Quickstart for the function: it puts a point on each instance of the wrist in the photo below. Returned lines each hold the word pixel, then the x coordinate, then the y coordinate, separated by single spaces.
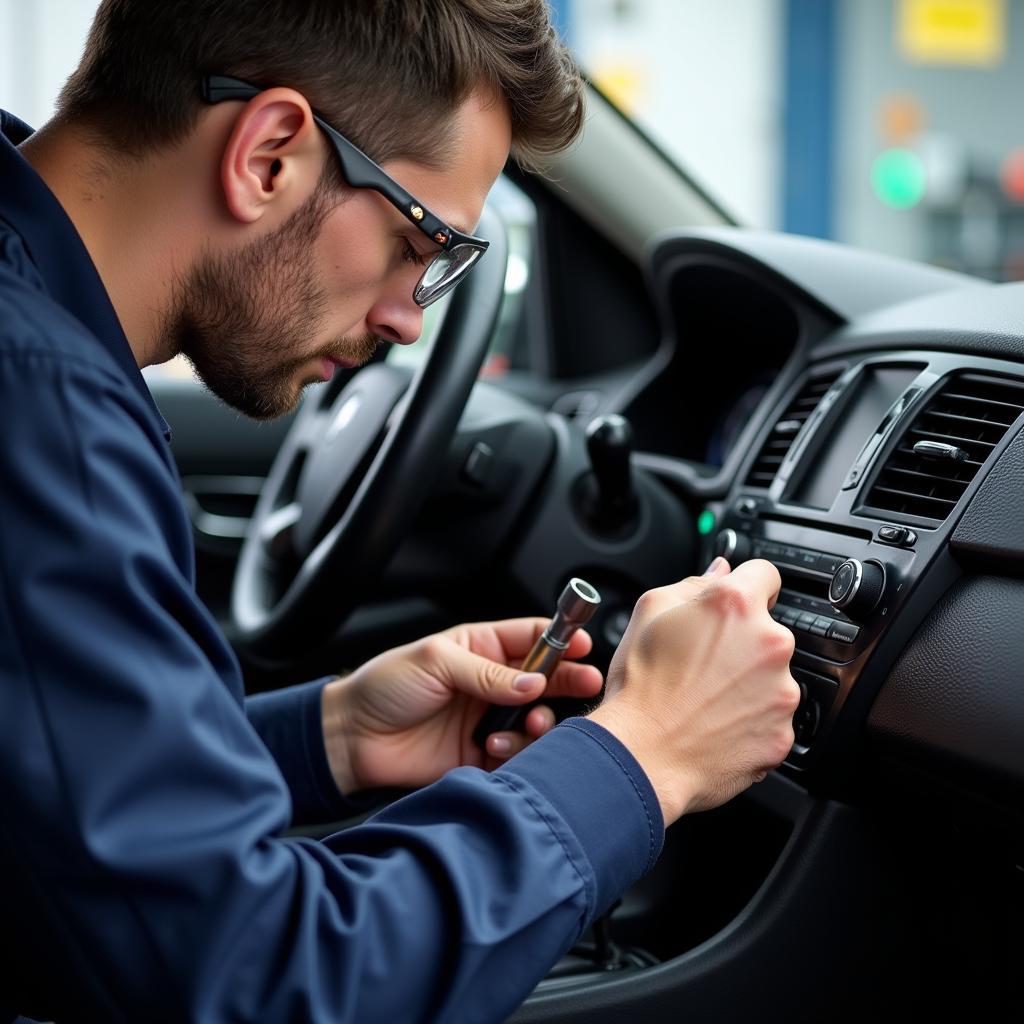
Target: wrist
pixel 338 734
pixel 670 785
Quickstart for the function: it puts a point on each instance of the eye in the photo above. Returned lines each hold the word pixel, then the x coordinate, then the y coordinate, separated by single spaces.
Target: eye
pixel 410 255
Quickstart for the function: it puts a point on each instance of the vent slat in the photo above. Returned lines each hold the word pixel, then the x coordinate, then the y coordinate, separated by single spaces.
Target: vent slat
pixel 972 412
pixel 915 496
pixel 1011 407
pixel 775 448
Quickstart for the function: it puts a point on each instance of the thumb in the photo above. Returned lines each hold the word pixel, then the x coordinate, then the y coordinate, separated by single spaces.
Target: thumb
pixel 719 567
pixel 491 681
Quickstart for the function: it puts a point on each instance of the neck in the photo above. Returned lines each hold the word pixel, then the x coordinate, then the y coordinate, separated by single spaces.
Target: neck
pixel 125 215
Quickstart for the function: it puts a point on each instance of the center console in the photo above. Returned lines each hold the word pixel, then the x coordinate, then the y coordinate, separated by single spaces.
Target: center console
pixel 852 490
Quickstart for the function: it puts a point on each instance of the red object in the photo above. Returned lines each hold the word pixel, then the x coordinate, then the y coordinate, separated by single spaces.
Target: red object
pixel 1012 175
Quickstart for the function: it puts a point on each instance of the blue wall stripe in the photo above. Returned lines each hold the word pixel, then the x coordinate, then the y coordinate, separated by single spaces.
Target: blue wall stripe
pixel 809 93
pixel 561 18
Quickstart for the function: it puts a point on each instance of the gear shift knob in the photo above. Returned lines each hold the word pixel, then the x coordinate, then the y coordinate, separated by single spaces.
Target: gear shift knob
pixel 610 447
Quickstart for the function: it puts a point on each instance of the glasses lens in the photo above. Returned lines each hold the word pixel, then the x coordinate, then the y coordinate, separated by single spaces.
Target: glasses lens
pixel 444 272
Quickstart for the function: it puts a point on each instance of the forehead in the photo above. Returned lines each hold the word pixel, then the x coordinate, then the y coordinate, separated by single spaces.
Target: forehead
pixel 480 139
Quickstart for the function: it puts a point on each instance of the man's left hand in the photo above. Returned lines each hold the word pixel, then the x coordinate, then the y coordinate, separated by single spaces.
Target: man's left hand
pixel 407 717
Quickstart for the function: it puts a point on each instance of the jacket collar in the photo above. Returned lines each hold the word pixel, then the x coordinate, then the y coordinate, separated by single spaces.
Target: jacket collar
pixel 60 255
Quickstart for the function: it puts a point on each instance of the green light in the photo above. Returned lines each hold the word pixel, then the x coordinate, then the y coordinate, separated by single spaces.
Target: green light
pixel 706 522
pixel 898 178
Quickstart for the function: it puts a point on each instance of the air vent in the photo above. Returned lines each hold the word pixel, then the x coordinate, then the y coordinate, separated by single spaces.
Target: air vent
pixel 783 434
pixel 954 434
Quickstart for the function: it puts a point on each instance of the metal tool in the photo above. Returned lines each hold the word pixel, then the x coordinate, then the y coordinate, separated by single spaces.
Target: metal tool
pixel 576 605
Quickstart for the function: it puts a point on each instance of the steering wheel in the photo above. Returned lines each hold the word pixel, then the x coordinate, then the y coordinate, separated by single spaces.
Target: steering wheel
pixel 354 471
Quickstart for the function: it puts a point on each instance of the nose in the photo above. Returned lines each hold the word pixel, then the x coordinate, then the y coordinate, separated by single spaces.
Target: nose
pixel 397 319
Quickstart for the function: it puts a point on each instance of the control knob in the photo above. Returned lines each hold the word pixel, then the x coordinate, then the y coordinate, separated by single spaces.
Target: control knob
pixel 732 546
pixel 856 587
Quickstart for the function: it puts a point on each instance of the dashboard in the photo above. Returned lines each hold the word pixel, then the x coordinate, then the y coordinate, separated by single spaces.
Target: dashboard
pixel 881 473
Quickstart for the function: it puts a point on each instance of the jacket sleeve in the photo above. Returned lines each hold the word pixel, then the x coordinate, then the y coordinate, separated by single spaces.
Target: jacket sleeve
pixel 290 723
pixel 141 814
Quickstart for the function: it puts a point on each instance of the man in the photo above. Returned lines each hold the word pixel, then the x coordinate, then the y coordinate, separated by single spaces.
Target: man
pixel 146 874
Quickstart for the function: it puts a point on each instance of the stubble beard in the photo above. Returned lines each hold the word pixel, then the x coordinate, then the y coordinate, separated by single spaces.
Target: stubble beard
pixel 244 320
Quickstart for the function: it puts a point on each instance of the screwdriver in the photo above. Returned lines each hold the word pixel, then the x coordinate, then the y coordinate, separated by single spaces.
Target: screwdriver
pixel 576 605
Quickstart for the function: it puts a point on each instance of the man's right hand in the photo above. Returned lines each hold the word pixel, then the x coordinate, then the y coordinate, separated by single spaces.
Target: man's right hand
pixel 700 690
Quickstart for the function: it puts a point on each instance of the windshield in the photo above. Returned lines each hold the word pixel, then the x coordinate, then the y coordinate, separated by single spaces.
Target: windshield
pixel 893 125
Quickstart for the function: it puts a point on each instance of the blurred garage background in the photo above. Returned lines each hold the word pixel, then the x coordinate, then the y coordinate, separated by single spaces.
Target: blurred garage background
pixel 890 124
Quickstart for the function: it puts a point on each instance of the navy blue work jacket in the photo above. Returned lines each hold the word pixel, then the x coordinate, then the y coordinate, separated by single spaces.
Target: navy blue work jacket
pixel 143 801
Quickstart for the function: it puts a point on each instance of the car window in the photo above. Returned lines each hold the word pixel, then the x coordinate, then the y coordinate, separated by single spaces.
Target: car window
pixel 893 125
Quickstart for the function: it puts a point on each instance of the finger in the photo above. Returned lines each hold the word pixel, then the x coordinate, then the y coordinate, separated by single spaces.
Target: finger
pixel 503 745
pixel 759 577
pixel 488 680
pixel 571 679
pixel 510 640
pixel 539 721
pixel 662 599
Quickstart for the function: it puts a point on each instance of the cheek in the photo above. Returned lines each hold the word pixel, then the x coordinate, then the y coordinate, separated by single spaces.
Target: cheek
pixel 352 251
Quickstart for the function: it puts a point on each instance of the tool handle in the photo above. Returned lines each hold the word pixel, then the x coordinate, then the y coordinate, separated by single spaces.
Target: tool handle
pixel 543 658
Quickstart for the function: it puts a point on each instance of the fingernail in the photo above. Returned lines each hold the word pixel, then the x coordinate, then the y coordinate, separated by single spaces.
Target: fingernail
pixel 714 566
pixel 500 744
pixel 527 681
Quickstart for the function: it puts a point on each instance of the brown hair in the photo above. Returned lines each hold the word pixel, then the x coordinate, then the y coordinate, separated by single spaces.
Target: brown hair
pixel 388 73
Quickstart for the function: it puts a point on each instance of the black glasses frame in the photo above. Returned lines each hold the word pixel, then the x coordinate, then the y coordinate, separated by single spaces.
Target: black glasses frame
pixel 361 171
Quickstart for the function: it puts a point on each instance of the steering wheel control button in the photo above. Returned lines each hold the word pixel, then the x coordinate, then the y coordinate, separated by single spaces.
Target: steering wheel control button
pixel 732 546
pixel 843 632
pixel 477 467
pixel 898 535
pixel 856 587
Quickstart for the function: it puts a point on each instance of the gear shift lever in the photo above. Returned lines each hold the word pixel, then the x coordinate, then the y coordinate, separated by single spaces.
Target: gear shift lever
pixel 610 447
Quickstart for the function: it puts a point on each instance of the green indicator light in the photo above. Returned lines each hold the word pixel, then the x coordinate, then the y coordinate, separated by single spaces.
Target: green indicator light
pixel 706 521
pixel 898 178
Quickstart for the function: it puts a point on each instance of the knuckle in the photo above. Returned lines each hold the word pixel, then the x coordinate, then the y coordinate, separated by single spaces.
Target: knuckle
pixel 729 597
pixel 646 604
pixel 433 649
pixel 779 643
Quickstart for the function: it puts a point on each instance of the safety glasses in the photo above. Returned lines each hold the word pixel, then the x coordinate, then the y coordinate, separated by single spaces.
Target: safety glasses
pixel 458 252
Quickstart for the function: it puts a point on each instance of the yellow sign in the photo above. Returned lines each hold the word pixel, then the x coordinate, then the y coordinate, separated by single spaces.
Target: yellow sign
pixel 623 82
pixel 968 32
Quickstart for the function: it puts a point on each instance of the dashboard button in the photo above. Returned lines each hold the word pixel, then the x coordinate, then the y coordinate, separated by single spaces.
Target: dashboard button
pixel 806 621
pixel 806 721
pixel 829 563
pixel 807 559
pixel 892 534
pixel 844 632
pixel 746 507
pixel 732 546
pixel 821 626
pixel 788 616
pixel 899 535
pixel 842 582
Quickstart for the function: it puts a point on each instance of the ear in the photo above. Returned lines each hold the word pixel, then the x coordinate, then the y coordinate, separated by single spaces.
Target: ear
pixel 274 154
